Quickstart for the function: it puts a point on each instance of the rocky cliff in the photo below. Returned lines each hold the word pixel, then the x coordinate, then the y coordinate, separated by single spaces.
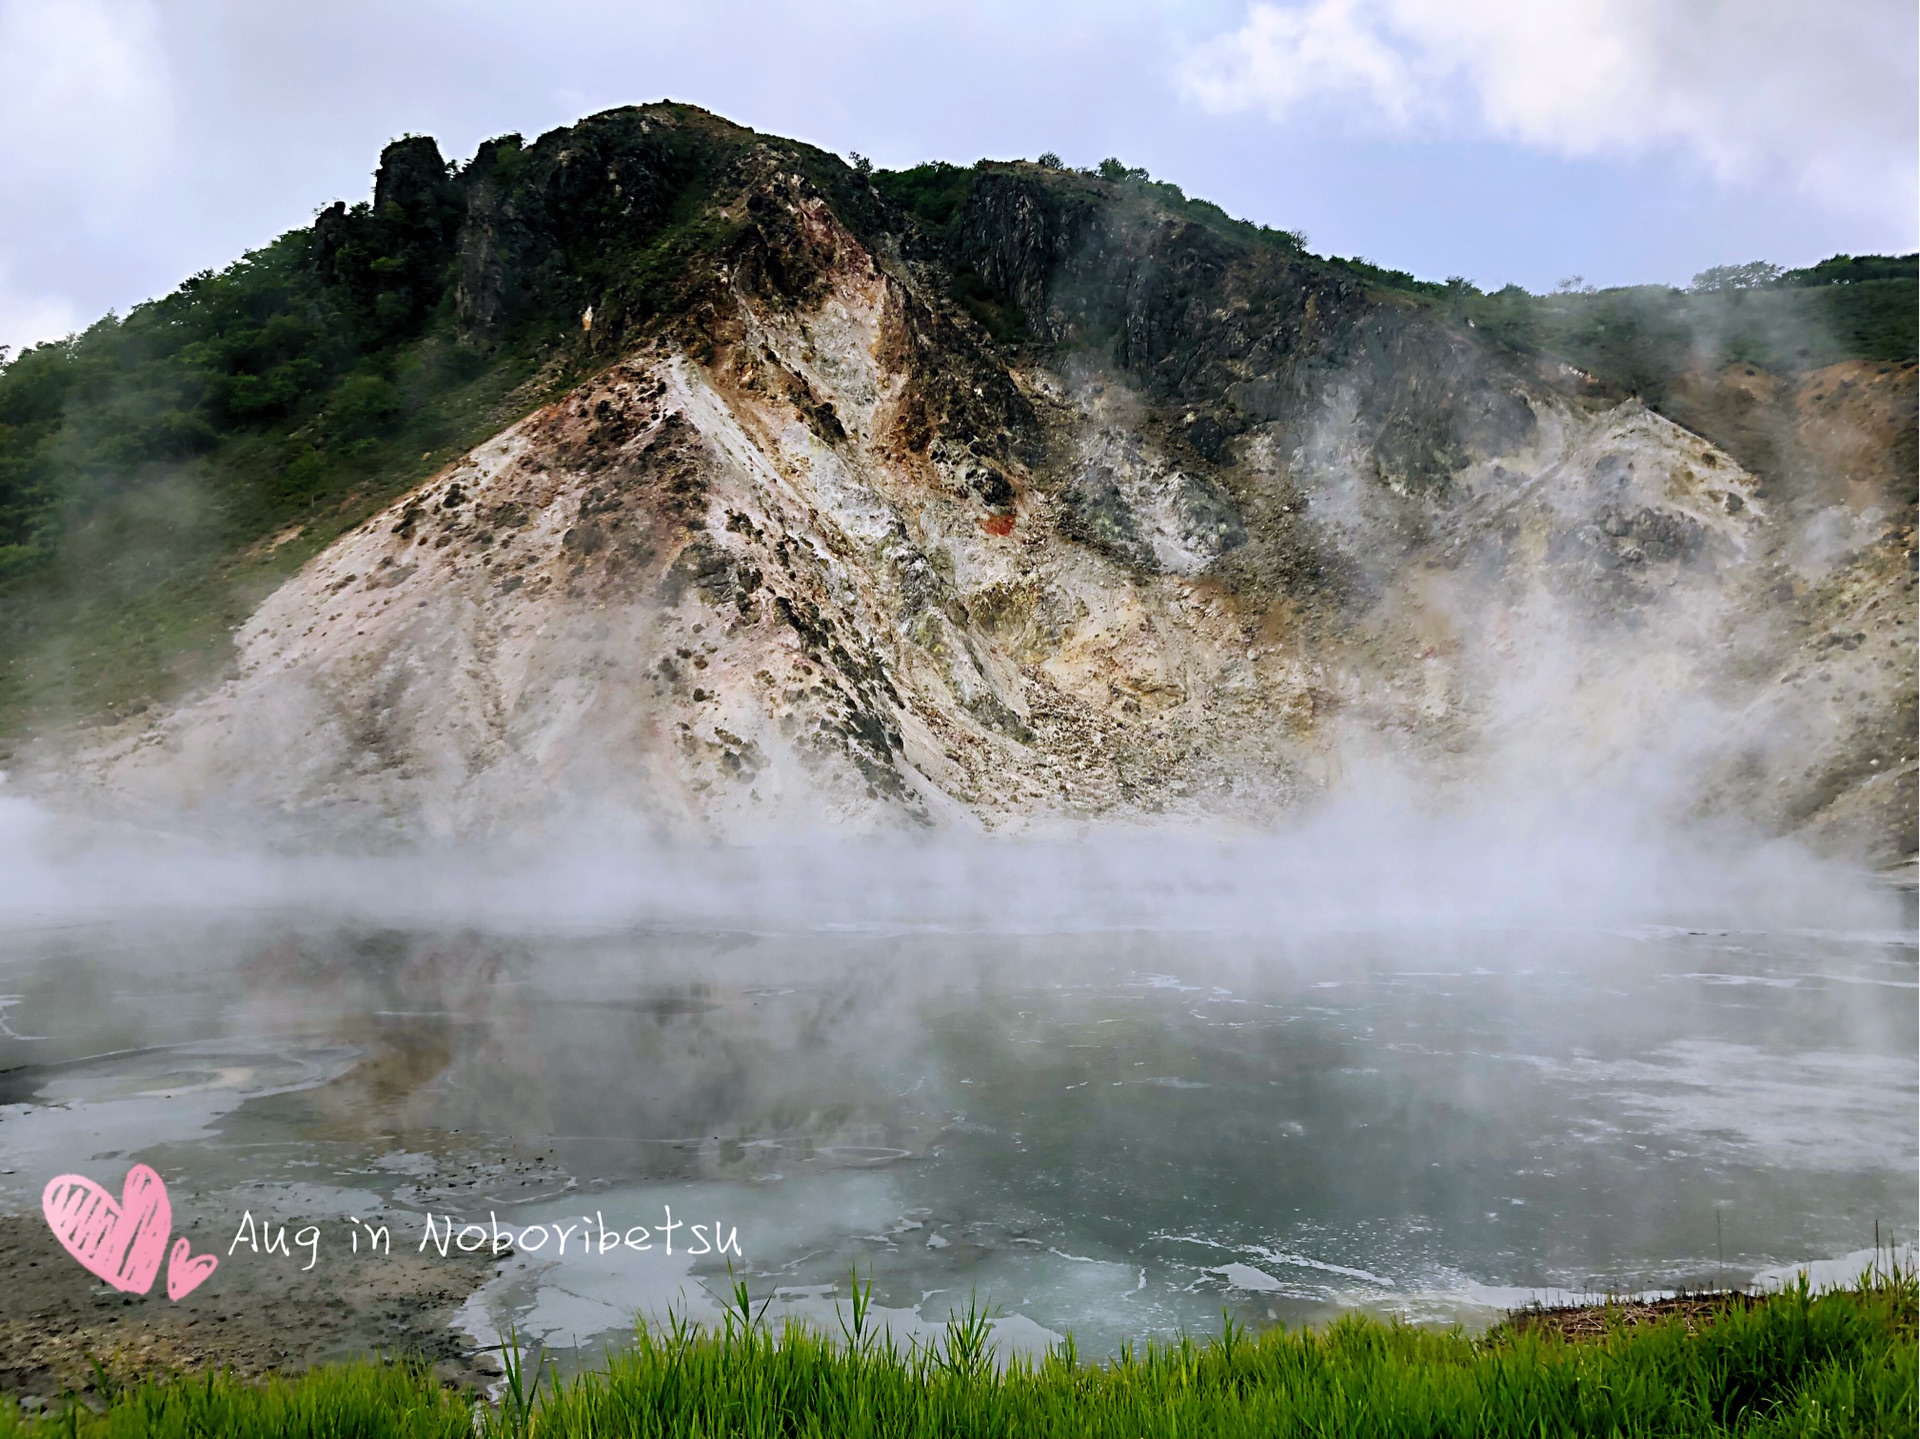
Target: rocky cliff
pixel 1080 508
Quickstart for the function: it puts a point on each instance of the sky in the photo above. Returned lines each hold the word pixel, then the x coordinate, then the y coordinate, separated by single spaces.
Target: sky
pixel 1526 141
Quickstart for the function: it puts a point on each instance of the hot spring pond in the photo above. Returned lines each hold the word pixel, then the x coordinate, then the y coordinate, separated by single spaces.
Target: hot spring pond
pixel 1121 1134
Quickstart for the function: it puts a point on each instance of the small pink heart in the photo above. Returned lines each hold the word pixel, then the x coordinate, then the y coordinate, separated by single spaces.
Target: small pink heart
pixel 185 1275
pixel 121 1243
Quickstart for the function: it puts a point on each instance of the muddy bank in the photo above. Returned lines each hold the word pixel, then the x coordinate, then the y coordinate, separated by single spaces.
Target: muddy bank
pixel 250 1317
pixel 1596 1321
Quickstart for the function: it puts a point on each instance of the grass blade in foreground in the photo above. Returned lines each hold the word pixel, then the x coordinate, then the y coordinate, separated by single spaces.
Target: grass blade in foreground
pixel 1796 1364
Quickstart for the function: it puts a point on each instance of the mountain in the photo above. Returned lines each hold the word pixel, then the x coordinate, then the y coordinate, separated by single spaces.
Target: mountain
pixel 758 493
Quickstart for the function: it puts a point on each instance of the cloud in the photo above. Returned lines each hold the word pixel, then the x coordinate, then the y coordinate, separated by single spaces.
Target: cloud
pixel 1284 58
pixel 27 319
pixel 1757 91
pixel 83 84
pixel 86 124
pixel 147 139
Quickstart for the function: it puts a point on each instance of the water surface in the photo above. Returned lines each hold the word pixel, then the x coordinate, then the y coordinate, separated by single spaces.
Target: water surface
pixel 1120 1134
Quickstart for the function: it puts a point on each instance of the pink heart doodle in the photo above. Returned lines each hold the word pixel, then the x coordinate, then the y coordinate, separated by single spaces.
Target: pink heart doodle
pixel 185 1275
pixel 122 1243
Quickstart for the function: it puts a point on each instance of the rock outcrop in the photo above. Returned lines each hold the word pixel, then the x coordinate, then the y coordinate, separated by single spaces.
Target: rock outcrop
pixel 813 549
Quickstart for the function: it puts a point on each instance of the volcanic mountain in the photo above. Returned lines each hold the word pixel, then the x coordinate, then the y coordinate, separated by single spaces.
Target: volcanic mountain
pixel 1021 496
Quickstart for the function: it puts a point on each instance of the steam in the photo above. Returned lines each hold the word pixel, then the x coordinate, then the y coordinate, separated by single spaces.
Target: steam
pixel 1382 858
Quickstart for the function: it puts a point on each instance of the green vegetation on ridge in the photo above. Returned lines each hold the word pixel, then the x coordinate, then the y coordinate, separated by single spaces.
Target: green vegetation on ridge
pixel 149 463
pixel 1643 337
pixel 1841 1364
pixel 141 458
pixel 1638 337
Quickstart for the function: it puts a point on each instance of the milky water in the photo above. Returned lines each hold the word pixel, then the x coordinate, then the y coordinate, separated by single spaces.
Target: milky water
pixel 1121 1134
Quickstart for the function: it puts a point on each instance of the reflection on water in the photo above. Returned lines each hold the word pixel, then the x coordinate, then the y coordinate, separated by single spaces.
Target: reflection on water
pixel 1121 1134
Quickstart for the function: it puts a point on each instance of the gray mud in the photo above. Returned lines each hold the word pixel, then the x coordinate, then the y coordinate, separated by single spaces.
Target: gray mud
pixel 58 1322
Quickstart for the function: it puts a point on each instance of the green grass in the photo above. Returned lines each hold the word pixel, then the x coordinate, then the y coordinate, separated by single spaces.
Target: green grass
pixel 1798 1364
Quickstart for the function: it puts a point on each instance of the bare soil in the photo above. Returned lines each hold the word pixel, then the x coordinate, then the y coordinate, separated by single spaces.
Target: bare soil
pixel 252 1316
pixel 1596 1321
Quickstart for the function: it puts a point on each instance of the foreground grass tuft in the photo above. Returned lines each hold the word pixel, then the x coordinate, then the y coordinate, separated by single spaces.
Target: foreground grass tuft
pixel 1797 1364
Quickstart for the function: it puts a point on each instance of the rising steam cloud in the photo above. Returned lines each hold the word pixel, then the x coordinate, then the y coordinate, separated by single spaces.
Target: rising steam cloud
pixel 1378 859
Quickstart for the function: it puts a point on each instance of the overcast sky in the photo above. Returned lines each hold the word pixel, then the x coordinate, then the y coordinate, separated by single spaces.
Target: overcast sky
pixel 1503 140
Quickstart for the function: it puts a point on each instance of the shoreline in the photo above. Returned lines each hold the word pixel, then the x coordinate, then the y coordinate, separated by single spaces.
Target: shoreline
pixel 1835 1363
pixel 70 1331
pixel 246 1319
